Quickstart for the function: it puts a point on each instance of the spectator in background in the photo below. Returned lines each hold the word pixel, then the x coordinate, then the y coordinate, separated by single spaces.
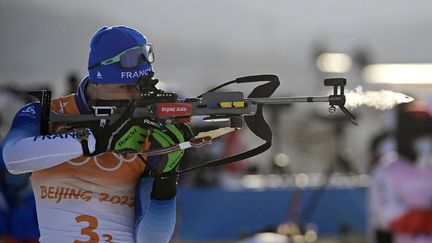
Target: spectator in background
pixel 4 209
pixel 18 221
pixel 382 151
pixel 401 194
pixel 382 145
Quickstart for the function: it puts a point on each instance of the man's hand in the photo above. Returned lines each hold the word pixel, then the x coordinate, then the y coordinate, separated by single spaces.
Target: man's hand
pixel 126 136
pixel 164 168
pixel 131 141
pixel 164 137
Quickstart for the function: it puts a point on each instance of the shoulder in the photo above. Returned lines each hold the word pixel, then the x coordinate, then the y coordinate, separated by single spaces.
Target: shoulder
pixel 30 110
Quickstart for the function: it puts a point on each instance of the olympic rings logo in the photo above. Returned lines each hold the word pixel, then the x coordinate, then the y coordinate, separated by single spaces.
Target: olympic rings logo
pixel 120 160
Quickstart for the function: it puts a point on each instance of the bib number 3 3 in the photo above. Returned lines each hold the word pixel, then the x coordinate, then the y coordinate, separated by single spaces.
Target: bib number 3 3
pixel 92 224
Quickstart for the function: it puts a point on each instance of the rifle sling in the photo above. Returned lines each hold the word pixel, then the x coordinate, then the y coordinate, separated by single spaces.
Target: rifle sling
pixel 257 124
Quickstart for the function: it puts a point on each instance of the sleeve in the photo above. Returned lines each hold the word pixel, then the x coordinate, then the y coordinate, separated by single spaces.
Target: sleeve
pixel 25 149
pixel 155 219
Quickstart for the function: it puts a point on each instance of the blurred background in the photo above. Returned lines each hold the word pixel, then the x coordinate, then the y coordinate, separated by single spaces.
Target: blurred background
pixel 314 179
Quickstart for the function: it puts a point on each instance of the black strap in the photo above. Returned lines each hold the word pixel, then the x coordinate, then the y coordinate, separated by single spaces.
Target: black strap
pixel 44 97
pixel 85 148
pixel 256 123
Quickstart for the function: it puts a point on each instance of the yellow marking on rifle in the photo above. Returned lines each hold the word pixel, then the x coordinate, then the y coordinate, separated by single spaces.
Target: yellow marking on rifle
pixel 226 104
pixel 239 104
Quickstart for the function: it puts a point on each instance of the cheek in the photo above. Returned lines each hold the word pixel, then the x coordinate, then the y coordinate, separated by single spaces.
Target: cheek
pixel 116 95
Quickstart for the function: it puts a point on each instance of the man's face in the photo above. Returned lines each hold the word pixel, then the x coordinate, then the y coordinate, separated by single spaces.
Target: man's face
pixel 117 92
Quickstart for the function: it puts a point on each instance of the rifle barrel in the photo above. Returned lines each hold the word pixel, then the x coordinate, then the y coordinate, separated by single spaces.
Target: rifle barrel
pixel 287 100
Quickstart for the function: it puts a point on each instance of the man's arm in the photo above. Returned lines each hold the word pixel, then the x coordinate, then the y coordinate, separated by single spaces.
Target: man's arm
pixel 26 150
pixel 156 197
pixel 155 218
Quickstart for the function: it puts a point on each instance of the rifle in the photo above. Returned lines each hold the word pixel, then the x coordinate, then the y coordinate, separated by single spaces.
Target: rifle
pixel 157 105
